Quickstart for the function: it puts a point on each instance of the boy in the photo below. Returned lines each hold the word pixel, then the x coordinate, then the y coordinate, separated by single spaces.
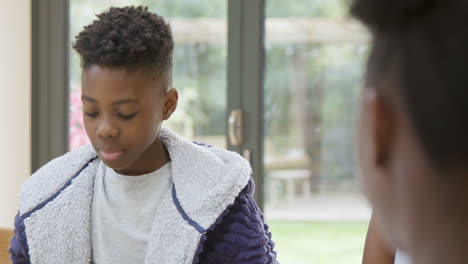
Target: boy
pixel 140 194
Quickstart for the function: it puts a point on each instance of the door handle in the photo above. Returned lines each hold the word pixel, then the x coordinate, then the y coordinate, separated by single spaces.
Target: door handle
pixel 235 127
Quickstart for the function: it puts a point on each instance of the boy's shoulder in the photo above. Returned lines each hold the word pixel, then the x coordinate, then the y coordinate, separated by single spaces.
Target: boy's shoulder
pixel 48 179
pixel 181 148
pixel 226 156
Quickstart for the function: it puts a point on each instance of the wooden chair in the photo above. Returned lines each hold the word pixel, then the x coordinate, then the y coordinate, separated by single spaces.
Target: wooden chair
pixel 5 236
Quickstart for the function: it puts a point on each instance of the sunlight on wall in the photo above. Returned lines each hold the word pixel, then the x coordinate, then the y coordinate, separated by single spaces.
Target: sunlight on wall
pixel 15 104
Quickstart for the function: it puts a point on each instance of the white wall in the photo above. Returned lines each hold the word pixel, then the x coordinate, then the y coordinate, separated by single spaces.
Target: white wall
pixel 15 103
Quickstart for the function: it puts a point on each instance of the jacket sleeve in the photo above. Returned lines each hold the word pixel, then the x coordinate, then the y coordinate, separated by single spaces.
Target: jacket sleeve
pixel 240 235
pixel 19 251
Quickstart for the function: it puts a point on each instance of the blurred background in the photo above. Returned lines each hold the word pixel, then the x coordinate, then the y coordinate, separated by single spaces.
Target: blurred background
pixel 293 68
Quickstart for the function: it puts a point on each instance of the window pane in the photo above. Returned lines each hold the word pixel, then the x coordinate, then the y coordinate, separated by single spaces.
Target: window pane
pixel 315 56
pixel 199 73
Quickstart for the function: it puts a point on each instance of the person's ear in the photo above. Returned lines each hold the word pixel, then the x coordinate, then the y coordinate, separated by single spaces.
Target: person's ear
pixel 170 103
pixel 382 126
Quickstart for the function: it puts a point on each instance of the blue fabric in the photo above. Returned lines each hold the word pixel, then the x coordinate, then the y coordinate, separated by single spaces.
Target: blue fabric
pixel 19 251
pixel 239 236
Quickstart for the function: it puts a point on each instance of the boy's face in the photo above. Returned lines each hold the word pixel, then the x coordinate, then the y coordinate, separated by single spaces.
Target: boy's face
pixel 122 112
pixel 395 170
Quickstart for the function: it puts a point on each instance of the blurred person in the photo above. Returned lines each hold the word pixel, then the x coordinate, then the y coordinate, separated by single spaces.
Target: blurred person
pixel 376 250
pixel 413 148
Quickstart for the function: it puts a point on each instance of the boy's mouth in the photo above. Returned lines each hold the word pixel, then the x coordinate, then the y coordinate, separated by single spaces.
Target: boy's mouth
pixel 111 155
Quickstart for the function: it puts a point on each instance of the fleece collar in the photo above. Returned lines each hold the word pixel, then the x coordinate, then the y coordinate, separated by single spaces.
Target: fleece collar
pixel 56 202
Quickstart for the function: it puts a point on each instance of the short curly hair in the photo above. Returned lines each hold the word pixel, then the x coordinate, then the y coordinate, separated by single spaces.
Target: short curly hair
pixel 130 37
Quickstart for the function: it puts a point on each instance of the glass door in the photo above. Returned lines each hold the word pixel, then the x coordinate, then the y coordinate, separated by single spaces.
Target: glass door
pixel 315 56
pixel 199 68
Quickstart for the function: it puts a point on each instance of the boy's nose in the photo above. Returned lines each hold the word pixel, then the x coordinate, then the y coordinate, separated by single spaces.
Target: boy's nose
pixel 107 130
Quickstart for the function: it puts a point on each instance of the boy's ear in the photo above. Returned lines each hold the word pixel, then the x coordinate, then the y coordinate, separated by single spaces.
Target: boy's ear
pixel 382 127
pixel 170 103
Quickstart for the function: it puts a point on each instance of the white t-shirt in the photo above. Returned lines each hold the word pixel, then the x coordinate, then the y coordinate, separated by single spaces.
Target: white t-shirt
pixel 402 258
pixel 123 211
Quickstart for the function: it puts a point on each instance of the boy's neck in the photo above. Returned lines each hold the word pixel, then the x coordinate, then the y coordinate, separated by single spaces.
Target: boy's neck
pixel 444 236
pixel 155 157
pixel 443 249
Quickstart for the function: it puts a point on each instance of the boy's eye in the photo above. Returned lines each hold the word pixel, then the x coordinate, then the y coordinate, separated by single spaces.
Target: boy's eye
pixel 127 117
pixel 94 114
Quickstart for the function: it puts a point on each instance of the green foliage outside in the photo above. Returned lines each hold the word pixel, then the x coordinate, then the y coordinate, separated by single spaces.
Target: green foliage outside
pixel 319 242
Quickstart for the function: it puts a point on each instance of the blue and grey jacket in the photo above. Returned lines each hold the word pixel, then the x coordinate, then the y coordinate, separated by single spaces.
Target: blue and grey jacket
pixel 209 215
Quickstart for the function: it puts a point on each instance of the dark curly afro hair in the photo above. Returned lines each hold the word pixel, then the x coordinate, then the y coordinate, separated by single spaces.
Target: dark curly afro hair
pixel 130 37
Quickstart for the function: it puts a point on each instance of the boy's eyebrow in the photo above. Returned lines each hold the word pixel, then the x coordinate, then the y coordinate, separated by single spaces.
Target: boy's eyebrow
pixel 126 101
pixel 84 97
pixel 123 101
